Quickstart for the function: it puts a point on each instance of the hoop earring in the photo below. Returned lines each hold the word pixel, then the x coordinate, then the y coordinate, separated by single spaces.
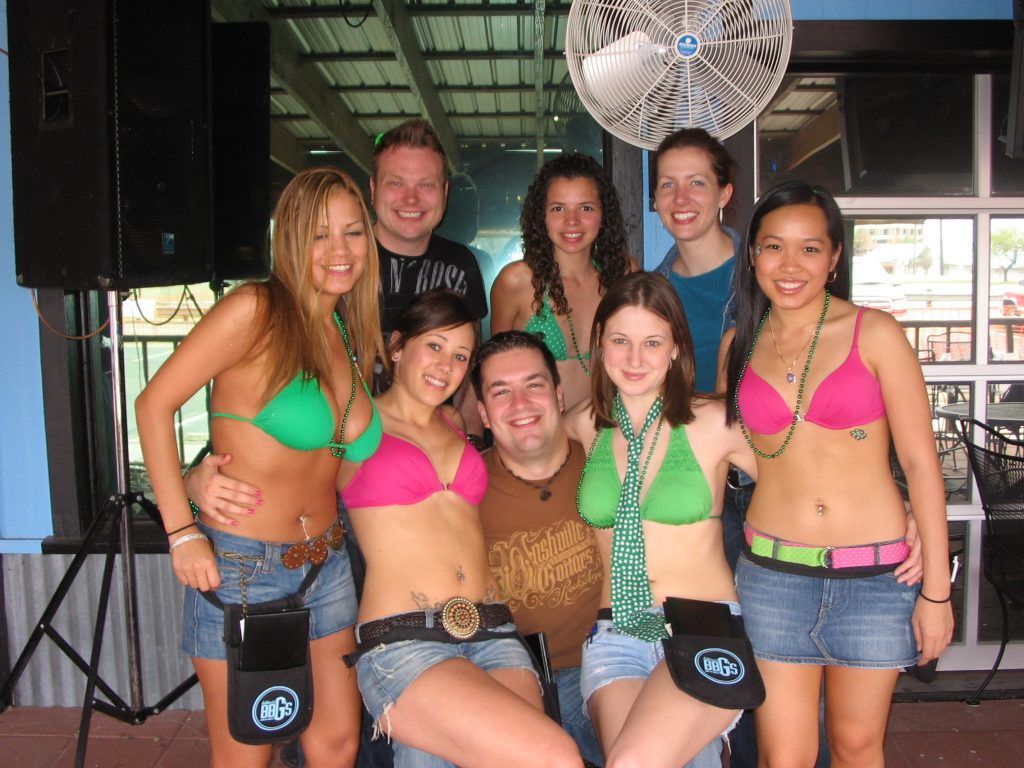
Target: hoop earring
pixel 833 276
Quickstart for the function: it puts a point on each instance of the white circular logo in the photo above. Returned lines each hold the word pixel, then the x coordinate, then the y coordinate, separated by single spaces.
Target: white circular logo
pixel 720 666
pixel 688 45
pixel 275 708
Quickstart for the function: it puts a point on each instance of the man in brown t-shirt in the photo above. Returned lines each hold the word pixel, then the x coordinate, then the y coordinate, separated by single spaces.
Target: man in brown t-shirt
pixel 543 556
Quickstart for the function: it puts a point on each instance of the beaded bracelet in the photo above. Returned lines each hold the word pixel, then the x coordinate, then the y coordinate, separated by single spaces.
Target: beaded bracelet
pixel 923 595
pixel 179 530
pixel 188 537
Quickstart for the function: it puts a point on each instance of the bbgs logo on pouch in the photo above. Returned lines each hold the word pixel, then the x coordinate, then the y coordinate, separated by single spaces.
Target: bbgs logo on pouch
pixel 275 708
pixel 720 666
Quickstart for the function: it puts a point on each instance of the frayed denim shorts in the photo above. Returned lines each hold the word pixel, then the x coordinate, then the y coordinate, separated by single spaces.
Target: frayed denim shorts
pixel 256 566
pixel 609 656
pixel 385 670
pixel 846 622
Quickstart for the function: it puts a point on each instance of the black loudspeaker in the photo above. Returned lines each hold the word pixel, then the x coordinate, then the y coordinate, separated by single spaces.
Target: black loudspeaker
pixel 110 142
pixel 241 150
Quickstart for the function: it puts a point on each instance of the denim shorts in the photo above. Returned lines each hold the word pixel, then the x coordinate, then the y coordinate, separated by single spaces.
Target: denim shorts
pixel 861 622
pixel 385 670
pixel 331 598
pixel 609 657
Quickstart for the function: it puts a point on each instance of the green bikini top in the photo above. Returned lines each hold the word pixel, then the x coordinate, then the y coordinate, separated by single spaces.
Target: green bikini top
pixel 544 325
pixel 678 495
pixel 300 418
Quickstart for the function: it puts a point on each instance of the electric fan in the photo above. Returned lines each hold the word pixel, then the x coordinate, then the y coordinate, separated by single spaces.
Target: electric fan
pixel 645 68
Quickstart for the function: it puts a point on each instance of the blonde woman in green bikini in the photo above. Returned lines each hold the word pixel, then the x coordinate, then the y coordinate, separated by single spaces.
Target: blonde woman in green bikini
pixel 574 245
pixel 293 413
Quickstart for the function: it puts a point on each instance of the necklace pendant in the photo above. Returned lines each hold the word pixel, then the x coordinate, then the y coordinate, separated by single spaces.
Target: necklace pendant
pixel 790 377
pixel 545 494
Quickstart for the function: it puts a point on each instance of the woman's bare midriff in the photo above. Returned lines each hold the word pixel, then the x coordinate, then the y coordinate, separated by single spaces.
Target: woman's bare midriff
pixel 420 555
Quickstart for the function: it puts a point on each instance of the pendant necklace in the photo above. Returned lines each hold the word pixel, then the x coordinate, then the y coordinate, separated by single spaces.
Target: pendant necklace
pixel 790 376
pixel 545 487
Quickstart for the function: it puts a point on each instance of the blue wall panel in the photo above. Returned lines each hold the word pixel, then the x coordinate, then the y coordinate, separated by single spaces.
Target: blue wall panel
pixel 24 483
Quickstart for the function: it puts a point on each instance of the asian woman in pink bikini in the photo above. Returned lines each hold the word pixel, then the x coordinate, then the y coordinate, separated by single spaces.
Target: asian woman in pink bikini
pixel 440 666
pixel 818 386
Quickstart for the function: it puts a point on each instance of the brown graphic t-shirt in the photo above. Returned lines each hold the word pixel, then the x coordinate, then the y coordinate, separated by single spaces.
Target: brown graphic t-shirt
pixel 543 556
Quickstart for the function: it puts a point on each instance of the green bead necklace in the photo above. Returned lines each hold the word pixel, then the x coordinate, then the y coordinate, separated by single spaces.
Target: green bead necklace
pixel 338 451
pixel 575 345
pixel 797 415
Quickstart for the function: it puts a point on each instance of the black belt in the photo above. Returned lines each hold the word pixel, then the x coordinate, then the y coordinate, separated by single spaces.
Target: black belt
pixel 459 619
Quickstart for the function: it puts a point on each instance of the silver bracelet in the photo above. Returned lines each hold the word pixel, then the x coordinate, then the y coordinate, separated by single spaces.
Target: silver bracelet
pixel 188 537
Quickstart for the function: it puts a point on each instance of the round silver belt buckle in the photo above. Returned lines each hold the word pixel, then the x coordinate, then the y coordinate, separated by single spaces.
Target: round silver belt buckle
pixel 460 618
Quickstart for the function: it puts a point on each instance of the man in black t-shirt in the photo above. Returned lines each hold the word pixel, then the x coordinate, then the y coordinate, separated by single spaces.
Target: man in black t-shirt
pixel 408 189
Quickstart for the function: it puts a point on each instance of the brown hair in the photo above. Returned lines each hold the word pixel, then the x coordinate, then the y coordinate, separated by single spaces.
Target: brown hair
pixel 609 250
pixel 507 341
pixel 434 310
pixel 411 133
pixel 652 292
pixel 289 325
pixel 721 161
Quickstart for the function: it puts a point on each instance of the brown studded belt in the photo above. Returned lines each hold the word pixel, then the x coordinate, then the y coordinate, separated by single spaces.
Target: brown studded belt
pixel 314 550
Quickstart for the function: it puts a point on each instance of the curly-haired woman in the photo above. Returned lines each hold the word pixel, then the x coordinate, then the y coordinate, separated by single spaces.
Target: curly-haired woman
pixel 574 249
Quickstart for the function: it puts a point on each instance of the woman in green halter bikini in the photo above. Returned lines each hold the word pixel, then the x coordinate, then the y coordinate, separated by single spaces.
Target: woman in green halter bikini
pixel 574 249
pixel 652 486
pixel 289 404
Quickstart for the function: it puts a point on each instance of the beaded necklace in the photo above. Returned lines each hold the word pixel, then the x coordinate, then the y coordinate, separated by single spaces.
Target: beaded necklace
pixel 797 415
pixel 339 451
pixel 575 344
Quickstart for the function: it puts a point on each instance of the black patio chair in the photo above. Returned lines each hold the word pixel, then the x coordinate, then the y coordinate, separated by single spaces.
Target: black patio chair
pixel 998 468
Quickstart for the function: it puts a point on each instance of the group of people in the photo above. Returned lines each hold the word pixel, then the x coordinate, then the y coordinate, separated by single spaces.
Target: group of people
pixel 618 403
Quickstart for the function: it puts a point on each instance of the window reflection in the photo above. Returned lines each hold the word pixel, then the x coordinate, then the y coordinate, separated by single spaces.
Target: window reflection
pixel 871 134
pixel 1006 293
pixel 921 271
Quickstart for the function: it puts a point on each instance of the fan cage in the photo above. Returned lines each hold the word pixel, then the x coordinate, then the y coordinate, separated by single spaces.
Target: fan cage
pixel 646 69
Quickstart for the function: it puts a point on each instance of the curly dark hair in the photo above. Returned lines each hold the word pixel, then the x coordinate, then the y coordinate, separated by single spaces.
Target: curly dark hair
pixel 609 251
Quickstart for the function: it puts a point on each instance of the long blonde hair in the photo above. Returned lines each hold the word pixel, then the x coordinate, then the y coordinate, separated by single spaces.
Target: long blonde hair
pixel 288 325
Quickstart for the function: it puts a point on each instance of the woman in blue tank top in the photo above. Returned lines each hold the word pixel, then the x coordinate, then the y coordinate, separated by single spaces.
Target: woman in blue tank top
pixel 290 404
pixel 692 186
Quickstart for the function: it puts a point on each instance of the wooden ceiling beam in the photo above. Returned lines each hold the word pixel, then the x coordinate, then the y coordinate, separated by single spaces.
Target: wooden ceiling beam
pixel 394 17
pixel 303 82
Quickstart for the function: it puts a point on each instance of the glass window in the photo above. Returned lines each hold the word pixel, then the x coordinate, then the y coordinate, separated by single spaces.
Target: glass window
pixel 1006 290
pixel 871 134
pixel 958 533
pixel 155 322
pixel 1007 174
pixel 949 401
pixel 922 271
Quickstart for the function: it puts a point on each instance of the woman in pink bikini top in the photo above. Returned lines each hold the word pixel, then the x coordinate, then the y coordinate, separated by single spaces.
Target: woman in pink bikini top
pixel 439 663
pixel 819 387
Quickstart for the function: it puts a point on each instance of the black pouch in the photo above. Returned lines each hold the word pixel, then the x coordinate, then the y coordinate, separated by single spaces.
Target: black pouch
pixel 709 655
pixel 270 678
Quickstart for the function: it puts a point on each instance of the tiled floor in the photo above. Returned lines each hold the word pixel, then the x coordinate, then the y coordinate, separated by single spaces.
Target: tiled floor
pixel 924 731
pixel 924 735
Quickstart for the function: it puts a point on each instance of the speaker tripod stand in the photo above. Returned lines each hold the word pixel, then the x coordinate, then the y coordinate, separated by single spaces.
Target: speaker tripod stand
pixel 117 511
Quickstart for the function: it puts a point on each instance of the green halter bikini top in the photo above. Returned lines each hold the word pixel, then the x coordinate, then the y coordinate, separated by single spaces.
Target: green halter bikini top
pixel 678 495
pixel 300 418
pixel 544 325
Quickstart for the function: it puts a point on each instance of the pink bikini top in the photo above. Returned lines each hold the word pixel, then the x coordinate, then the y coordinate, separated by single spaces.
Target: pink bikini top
pixel 848 397
pixel 401 473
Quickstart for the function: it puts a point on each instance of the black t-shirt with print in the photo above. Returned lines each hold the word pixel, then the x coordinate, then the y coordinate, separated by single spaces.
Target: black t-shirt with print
pixel 445 264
